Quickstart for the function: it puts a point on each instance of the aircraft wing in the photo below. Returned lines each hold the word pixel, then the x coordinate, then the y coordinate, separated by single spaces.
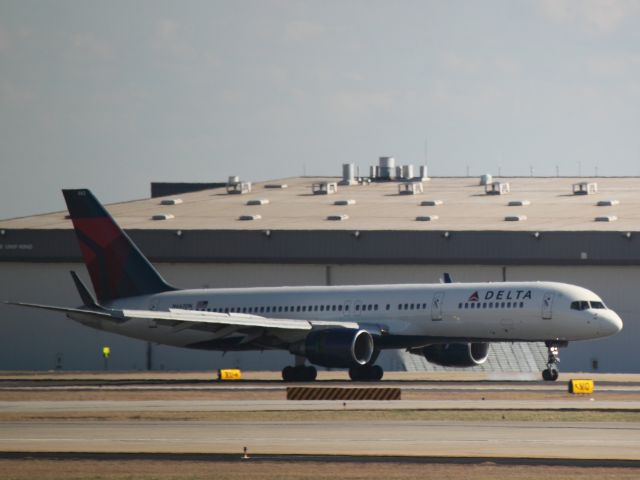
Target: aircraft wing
pixel 195 318
pixel 239 319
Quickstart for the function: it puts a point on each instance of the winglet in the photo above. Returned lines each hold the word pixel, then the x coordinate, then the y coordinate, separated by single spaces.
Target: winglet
pixel 447 278
pixel 87 298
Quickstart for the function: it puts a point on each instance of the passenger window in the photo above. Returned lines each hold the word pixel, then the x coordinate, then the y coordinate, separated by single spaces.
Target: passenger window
pixel 375 307
pixel 298 308
pixel 466 305
pixel 484 305
pixel 400 307
pixel 388 307
pixel 333 308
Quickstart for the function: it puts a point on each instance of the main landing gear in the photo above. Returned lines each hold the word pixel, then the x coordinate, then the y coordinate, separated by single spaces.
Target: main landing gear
pixel 550 374
pixel 366 372
pixel 299 373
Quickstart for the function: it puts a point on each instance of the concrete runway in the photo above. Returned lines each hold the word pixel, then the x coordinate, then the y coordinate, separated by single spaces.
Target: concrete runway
pixel 468 439
pixel 229 435
pixel 89 406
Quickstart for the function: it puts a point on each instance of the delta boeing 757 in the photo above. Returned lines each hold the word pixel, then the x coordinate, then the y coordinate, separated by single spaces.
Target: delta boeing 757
pixel 450 324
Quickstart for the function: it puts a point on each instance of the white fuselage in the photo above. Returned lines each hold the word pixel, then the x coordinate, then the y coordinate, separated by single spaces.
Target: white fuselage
pixel 405 315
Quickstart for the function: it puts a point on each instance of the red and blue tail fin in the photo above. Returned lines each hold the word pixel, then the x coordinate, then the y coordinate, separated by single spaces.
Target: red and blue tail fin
pixel 118 269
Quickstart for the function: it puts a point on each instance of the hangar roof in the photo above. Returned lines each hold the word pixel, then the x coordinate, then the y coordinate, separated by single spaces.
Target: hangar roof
pixel 552 206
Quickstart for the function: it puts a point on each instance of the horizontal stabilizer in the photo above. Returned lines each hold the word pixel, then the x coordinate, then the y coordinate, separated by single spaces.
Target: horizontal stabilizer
pixel 85 294
pixel 53 308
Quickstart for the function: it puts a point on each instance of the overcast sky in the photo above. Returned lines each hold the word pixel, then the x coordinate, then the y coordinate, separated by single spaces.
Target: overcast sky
pixel 112 95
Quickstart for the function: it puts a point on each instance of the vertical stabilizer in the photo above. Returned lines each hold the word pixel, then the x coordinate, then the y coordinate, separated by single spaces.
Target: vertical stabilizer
pixel 117 267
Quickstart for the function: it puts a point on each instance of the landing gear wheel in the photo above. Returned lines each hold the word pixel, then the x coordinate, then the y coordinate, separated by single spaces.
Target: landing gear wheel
pixel 299 373
pixel 311 373
pixel 551 373
pixel 288 374
pixel 366 373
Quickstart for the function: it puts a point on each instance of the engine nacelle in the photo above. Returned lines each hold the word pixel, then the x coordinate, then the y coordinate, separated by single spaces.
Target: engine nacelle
pixel 457 354
pixel 339 347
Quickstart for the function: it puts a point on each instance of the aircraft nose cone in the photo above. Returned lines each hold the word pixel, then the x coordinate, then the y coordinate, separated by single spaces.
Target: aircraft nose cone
pixel 611 324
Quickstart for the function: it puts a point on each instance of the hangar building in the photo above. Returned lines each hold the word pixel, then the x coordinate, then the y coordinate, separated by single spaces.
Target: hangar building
pixel 333 231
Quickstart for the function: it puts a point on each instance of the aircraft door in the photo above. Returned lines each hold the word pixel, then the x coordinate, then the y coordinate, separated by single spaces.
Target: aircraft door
pixel 357 307
pixel 547 305
pixel 346 309
pixel 436 306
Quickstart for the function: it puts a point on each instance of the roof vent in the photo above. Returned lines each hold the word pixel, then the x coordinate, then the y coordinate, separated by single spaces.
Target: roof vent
pixel 431 203
pixel 345 202
pixel 162 216
pixel 324 188
pixel 515 218
pixel 519 203
pixel 486 179
pixel 427 218
pixel 235 186
pixel 386 168
pixel 608 203
pixel 171 201
pixel 496 188
pixel 348 174
pixel 276 185
pixel 606 218
pixel 423 173
pixel 585 188
pixel 338 218
pixel 407 172
pixel 258 201
pixel 410 188
pixel 250 217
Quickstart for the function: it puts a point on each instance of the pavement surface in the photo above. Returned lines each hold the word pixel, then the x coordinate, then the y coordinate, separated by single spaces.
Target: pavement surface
pixel 468 439
pixel 89 406
pixel 230 433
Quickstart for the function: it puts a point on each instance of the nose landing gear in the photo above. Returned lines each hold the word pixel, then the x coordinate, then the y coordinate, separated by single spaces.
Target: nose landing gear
pixel 551 373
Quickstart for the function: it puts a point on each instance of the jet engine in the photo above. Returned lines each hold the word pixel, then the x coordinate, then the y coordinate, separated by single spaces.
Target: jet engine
pixel 339 347
pixel 457 354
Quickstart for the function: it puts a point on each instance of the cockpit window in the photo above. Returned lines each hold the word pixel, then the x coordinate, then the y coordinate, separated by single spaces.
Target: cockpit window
pixel 580 305
pixel 584 305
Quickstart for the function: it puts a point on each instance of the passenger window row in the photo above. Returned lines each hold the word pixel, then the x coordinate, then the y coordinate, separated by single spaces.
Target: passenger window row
pixel 312 308
pixel 411 306
pixel 483 305
pixel 281 309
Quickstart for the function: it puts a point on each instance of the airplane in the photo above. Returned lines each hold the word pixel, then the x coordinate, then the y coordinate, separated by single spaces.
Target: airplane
pixel 343 327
